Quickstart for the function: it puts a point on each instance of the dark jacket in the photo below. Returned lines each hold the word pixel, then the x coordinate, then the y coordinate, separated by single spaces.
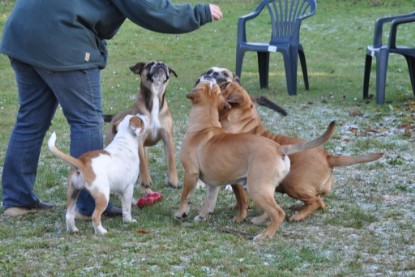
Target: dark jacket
pixel 70 34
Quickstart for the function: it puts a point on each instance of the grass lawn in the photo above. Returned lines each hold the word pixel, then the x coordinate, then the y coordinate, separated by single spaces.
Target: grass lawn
pixel 368 226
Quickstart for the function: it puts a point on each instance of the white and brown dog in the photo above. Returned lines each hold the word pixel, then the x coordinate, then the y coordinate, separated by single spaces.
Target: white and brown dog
pixel 218 158
pixel 151 101
pixel 114 169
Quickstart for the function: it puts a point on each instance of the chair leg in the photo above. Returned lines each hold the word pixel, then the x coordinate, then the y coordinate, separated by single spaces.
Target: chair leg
pixel 411 68
pixel 366 76
pixel 290 64
pixel 381 69
pixel 303 62
pixel 263 68
pixel 239 62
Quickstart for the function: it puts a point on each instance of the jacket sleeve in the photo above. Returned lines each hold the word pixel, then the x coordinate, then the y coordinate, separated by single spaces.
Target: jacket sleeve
pixel 163 16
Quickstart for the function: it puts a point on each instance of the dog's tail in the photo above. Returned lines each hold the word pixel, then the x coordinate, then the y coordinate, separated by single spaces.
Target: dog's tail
pixel 294 148
pixel 108 117
pixel 265 102
pixel 337 161
pixel 73 161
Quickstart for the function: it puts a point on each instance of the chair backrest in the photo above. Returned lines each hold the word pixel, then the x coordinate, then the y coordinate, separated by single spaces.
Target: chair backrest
pixel 286 16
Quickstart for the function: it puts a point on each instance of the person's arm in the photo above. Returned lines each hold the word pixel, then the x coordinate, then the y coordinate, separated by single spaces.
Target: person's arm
pixel 165 17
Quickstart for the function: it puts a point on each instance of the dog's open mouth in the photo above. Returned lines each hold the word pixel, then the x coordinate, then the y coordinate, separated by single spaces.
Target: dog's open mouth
pixel 207 79
pixel 158 72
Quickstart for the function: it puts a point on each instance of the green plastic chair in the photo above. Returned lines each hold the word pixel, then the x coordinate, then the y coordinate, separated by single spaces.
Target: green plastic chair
pixel 286 17
pixel 381 52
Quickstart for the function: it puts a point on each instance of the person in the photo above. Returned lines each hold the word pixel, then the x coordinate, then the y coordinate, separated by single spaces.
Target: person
pixel 57 49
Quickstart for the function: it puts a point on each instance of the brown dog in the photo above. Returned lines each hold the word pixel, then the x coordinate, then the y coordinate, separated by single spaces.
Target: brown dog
pixel 311 174
pixel 151 101
pixel 218 158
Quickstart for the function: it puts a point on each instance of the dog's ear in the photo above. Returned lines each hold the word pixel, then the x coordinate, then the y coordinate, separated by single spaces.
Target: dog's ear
pixel 236 79
pixel 224 85
pixel 191 95
pixel 137 125
pixel 194 95
pixel 114 124
pixel 197 82
pixel 114 128
pixel 234 99
pixel 224 105
pixel 144 119
pixel 172 71
pixel 137 68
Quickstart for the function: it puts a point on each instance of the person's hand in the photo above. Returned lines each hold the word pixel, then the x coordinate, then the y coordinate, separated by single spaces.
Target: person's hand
pixel 216 12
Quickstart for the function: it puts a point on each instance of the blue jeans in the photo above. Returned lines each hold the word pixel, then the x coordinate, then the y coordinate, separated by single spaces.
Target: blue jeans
pixel 40 92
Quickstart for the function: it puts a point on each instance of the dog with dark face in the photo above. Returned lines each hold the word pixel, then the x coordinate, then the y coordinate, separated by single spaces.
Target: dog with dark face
pixel 224 75
pixel 151 101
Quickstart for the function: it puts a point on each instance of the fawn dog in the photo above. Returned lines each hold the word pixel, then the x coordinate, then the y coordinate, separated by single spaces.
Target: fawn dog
pixel 311 174
pixel 151 101
pixel 218 158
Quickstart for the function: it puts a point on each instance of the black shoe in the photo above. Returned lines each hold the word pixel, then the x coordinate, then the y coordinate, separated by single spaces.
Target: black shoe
pixel 113 212
pixel 43 206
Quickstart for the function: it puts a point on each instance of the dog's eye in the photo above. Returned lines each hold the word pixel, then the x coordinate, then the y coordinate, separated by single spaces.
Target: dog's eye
pixel 226 74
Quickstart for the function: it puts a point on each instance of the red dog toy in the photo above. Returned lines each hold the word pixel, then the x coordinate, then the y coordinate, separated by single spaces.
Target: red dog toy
pixel 149 199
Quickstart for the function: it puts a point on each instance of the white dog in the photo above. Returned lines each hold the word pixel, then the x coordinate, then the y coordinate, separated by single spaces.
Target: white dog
pixel 114 169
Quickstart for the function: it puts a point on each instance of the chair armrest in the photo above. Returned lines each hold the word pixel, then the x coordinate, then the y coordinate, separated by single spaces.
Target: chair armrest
pixel 377 38
pixel 312 12
pixel 394 28
pixel 241 33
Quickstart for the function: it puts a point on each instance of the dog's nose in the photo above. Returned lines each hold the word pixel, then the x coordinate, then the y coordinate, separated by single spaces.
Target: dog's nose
pixel 159 68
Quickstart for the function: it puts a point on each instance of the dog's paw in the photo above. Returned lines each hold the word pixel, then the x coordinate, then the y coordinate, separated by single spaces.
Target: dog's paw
pixel 260 220
pixel 183 211
pixel 296 217
pixel 129 220
pixel 180 215
pixel 238 219
pixel 262 236
pixel 145 189
pixel 72 229
pixel 173 185
pixel 200 218
pixel 99 230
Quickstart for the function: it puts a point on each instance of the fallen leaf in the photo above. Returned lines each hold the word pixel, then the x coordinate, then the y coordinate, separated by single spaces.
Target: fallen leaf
pixel 356 112
pixel 142 232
